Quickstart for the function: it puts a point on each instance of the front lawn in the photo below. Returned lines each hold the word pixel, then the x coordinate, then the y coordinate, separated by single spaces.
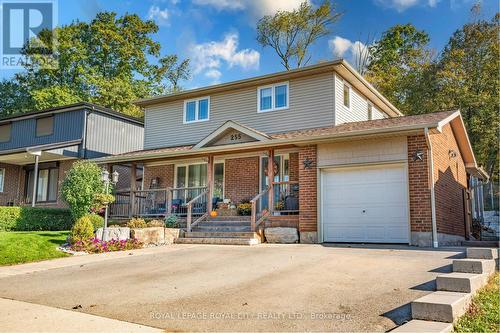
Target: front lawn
pixel 28 246
pixel 484 313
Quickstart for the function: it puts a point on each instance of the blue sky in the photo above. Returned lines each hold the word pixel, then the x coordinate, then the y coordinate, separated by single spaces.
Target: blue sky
pixel 219 35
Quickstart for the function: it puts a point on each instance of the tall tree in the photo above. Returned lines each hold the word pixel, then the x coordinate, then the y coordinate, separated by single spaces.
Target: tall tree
pixel 111 61
pixel 291 33
pixel 468 79
pixel 399 63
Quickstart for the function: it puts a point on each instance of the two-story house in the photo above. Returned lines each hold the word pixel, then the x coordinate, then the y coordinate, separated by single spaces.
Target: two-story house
pixel 316 148
pixel 37 148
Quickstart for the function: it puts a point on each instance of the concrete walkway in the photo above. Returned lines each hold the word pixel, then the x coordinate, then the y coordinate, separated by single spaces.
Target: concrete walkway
pixel 26 317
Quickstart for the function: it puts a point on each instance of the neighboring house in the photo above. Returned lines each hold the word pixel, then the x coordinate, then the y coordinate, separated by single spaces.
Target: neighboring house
pixel 51 140
pixel 347 166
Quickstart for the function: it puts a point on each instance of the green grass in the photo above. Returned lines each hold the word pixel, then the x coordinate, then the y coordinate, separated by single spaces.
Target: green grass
pixel 484 313
pixel 28 246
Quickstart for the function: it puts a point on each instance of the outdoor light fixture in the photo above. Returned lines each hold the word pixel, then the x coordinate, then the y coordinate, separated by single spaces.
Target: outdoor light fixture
pixel 105 179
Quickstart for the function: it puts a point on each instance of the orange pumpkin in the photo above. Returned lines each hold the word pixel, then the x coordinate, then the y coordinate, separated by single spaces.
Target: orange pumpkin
pixel 213 213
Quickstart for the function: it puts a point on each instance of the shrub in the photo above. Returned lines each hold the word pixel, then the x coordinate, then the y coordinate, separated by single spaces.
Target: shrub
pixel 79 187
pixel 155 223
pixel 244 208
pixel 97 221
pixel 94 245
pixel 136 223
pixel 172 222
pixel 82 230
pixel 34 219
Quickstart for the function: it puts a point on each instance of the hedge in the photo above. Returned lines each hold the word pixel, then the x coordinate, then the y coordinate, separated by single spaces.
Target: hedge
pixel 34 219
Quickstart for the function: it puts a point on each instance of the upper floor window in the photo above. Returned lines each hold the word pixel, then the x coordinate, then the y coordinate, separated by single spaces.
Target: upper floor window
pixel 274 97
pixel 347 96
pixel 370 111
pixel 2 179
pixel 5 132
pixel 196 110
pixel 45 126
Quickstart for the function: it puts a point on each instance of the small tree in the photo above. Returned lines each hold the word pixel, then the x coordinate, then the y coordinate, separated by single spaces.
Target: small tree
pixel 290 33
pixel 80 186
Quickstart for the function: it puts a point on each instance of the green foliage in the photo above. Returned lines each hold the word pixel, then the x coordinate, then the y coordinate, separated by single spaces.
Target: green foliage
pixel 111 60
pixel 81 184
pixel 97 221
pixel 172 222
pixel 28 218
pixel 23 247
pixel 137 223
pixel 102 199
pixel 155 223
pixel 82 229
pixel 244 208
pixel 291 33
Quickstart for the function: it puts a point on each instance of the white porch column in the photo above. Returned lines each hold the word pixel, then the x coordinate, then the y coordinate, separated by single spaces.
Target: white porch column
pixel 37 155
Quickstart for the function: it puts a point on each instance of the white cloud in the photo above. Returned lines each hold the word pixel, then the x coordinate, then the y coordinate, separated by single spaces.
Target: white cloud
pixel 209 57
pixel 174 2
pixel 347 49
pixel 160 16
pixel 402 5
pixel 257 8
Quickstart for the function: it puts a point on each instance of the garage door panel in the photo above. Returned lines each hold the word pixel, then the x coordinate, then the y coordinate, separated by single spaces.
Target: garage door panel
pixel 365 204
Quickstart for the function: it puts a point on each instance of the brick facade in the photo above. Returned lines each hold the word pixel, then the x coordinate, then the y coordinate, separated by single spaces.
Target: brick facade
pixel 308 216
pixel 450 179
pixel 10 193
pixel 165 174
pixel 420 194
pixel 241 178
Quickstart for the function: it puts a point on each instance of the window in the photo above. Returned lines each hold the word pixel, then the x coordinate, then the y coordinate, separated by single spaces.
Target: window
pixel 2 177
pixel 196 110
pixel 44 126
pixel 46 190
pixel 5 132
pixel 195 175
pixel 370 111
pixel 273 97
pixel 347 96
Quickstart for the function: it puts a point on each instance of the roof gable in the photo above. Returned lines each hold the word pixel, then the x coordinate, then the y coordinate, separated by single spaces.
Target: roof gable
pixel 232 133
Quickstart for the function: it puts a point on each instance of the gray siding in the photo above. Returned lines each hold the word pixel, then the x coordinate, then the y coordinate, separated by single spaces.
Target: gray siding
pixel 108 135
pixel 67 127
pixel 311 105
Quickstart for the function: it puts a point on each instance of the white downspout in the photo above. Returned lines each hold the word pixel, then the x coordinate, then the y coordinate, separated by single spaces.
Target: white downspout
pixel 433 195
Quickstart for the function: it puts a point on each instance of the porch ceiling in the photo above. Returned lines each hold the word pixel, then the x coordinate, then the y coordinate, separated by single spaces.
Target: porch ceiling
pixel 25 158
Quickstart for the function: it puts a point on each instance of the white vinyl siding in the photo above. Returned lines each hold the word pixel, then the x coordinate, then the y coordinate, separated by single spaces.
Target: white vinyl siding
pixel 310 105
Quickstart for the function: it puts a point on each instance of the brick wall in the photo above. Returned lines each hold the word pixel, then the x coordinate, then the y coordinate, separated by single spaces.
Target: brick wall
pixel 11 184
pixel 294 166
pixel 165 173
pixel 241 178
pixel 420 195
pixel 308 217
pixel 450 180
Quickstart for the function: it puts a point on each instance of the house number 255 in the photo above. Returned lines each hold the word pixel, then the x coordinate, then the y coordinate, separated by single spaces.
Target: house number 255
pixel 235 137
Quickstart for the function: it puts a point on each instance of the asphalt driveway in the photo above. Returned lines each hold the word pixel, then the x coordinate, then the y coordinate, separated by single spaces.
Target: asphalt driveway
pixel 230 288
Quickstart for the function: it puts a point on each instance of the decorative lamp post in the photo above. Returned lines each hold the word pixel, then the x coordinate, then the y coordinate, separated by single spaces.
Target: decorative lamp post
pixel 105 179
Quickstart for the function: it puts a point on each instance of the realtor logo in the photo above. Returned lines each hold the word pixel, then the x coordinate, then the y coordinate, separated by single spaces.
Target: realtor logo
pixel 21 23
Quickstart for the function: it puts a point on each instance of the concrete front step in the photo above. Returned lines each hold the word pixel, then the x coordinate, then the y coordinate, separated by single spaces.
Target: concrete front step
pixel 417 326
pixel 224 224
pixel 229 218
pixel 482 253
pixel 461 282
pixel 443 306
pixel 221 234
pixel 204 228
pixel 476 266
pixel 218 241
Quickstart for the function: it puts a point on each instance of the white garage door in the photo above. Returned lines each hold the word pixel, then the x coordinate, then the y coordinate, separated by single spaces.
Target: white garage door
pixel 368 204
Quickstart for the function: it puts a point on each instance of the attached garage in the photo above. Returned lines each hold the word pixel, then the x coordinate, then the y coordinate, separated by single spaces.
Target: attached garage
pixel 366 204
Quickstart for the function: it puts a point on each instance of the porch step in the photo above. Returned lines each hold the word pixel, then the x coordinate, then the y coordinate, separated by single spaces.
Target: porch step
pixel 229 218
pixel 461 282
pixel 217 241
pixel 416 326
pixel 225 224
pixel 221 234
pixel 482 253
pixel 443 306
pixel 476 266
pixel 219 228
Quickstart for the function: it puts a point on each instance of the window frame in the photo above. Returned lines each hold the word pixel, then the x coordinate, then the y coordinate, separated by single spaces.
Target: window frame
pixel 2 183
pixel 9 126
pixel 370 111
pixel 36 126
pixel 348 107
pixel 273 97
pixel 196 110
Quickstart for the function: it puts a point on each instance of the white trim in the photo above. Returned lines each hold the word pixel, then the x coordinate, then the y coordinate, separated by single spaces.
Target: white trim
pixel 196 110
pixel 259 136
pixel 2 184
pixel 273 95
pixel 187 171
